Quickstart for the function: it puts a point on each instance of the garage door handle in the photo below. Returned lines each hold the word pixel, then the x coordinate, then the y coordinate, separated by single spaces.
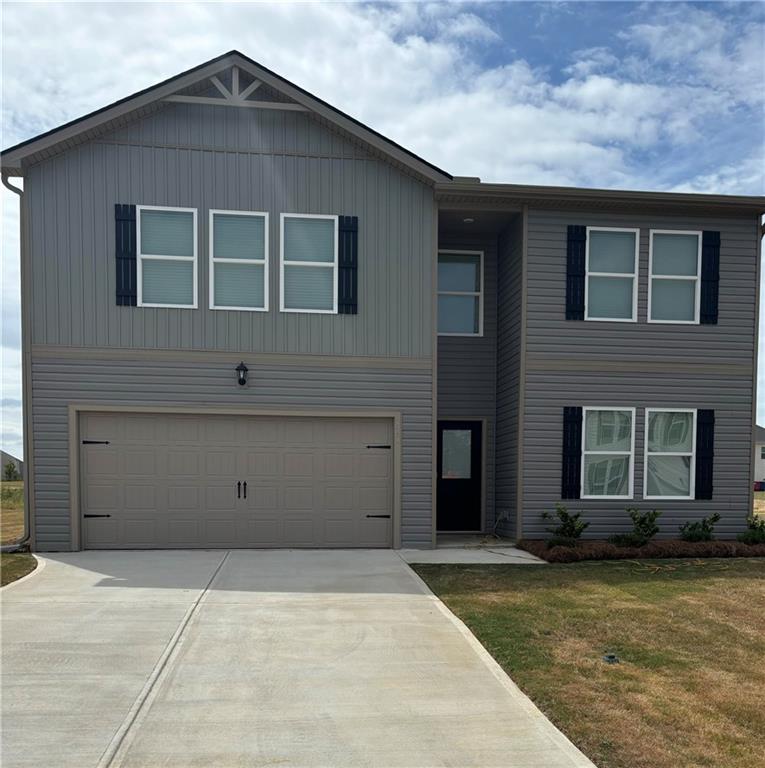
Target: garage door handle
pixel 239 489
pixel 386 516
pixel 95 442
pixel 245 489
pixel 96 515
pixel 387 447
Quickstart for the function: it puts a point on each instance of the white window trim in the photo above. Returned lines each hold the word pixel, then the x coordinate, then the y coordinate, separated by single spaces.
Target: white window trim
pixel 692 454
pixel 264 261
pixel 479 293
pixel 318 264
pixel 141 257
pixel 688 278
pixel 631 491
pixel 634 276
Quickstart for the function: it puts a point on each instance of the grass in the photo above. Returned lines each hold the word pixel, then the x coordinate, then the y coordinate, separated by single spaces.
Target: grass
pixel 12 507
pixel 759 503
pixel 14 566
pixel 690 636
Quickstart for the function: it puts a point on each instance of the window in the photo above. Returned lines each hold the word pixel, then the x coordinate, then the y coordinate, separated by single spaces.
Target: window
pixel 674 283
pixel 460 293
pixel 670 445
pixel 308 263
pixel 608 453
pixel 457 454
pixel 762 452
pixel 167 257
pixel 610 292
pixel 239 260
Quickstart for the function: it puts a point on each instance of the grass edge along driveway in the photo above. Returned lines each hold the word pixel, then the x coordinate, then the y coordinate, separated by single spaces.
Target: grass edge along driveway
pixel 15 565
pixel 690 636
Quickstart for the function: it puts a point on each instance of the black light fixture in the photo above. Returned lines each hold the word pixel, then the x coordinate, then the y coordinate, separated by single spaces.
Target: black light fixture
pixel 241 373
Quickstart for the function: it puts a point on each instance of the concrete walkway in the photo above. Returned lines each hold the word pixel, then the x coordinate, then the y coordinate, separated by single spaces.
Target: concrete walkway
pixel 253 658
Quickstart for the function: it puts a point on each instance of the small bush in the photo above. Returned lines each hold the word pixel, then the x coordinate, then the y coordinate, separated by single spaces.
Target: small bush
pixel 570 529
pixel 10 472
pixel 699 530
pixel 644 528
pixel 755 530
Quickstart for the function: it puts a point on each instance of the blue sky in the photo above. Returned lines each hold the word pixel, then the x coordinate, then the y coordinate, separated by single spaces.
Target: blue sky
pixel 656 95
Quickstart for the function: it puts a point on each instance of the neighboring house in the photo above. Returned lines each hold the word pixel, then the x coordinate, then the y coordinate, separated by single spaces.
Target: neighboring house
pixel 759 454
pixel 424 353
pixel 7 458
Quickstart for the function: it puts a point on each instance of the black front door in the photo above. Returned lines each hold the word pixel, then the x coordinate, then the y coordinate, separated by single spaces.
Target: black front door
pixel 459 476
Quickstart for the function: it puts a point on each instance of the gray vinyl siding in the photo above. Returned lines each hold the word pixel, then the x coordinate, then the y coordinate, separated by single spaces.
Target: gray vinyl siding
pixel 60 381
pixel 509 292
pixel 639 365
pixel 467 366
pixel 217 157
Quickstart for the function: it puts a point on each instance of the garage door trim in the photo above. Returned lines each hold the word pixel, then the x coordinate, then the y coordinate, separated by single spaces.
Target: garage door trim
pixel 75 409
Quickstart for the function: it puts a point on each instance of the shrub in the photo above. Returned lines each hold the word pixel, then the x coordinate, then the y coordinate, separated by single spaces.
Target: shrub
pixel 644 528
pixel 10 472
pixel 570 529
pixel 755 530
pixel 699 530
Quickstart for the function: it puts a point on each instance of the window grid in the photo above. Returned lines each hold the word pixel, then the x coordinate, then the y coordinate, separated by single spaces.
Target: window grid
pixel 687 278
pixel 283 260
pixel 624 275
pixel 158 257
pixel 691 454
pixel 224 260
pixel 598 452
pixel 475 294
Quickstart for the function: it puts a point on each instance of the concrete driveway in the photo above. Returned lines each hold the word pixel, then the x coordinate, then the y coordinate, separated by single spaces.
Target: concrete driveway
pixel 253 658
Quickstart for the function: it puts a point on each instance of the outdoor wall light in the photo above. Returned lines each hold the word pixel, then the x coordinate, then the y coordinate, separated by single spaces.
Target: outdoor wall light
pixel 241 373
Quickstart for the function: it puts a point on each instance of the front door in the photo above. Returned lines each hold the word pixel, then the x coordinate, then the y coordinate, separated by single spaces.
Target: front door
pixel 459 476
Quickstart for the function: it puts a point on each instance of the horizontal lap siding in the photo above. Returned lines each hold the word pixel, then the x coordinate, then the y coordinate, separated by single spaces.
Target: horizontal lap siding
pixel 217 157
pixel 58 382
pixel 639 364
pixel 509 290
pixel 467 366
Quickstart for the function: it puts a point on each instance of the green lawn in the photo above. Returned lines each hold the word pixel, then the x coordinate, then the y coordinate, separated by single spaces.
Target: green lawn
pixel 12 508
pixel 14 566
pixel 690 685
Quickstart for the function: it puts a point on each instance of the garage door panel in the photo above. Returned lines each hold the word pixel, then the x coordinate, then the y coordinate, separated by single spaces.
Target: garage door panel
pixel 171 481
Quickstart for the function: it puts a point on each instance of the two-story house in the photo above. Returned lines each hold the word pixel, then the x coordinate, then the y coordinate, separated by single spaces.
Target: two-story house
pixel 251 321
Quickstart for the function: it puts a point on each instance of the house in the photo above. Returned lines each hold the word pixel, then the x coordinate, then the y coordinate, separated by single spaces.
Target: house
pixel 6 459
pixel 250 320
pixel 759 454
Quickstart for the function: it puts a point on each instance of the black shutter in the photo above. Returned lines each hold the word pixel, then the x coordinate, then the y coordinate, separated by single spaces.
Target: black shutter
pixel 575 272
pixel 348 266
pixel 124 228
pixel 572 453
pixel 710 277
pixel 705 452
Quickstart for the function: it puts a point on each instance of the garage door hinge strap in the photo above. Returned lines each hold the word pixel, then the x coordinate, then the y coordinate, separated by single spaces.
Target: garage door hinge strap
pixel 387 516
pixel 96 515
pixel 95 442
pixel 387 447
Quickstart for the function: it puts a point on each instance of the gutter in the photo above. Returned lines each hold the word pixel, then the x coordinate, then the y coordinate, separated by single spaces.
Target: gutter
pixel 22 543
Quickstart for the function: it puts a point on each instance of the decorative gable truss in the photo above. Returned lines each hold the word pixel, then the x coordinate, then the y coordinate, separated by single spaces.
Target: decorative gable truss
pixel 231 89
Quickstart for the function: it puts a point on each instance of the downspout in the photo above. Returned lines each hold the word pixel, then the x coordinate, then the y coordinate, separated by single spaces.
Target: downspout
pixel 23 543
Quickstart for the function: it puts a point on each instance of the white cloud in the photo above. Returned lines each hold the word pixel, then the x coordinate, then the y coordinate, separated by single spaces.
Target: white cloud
pixel 674 102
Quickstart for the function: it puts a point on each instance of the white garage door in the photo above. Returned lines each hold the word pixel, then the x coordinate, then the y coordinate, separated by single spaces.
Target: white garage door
pixel 160 481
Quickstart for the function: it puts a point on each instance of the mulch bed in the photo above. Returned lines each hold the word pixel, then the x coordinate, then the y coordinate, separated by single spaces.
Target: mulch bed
pixel 603 550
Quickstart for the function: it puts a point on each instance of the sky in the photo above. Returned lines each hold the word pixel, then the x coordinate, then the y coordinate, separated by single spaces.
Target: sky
pixel 662 95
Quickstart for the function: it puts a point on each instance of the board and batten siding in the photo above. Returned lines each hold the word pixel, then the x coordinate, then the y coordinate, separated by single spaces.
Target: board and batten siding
pixel 95 380
pixel 510 295
pixel 640 365
pixel 236 159
pixel 467 365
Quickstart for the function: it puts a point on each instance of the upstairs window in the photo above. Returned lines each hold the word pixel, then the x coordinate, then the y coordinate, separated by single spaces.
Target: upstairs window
pixel 308 263
pixel 608 453
pixel 460 293
pixel 239 260
pixel 675 276
pixel 670 443
pixel 167 257
pixel 612 268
